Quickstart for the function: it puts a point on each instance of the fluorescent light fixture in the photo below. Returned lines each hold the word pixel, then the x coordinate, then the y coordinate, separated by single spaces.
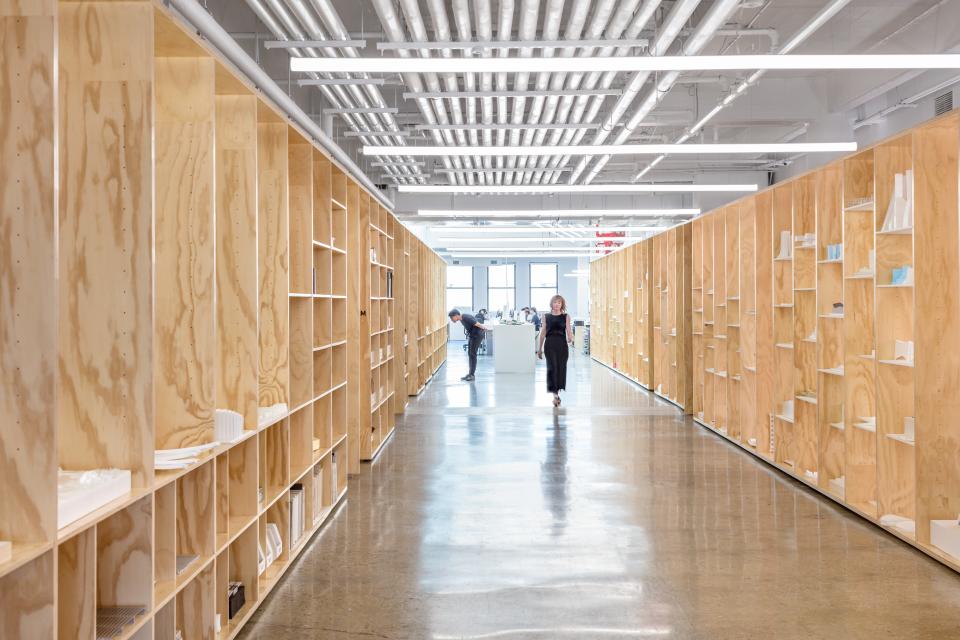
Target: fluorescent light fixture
pixel 557 213
pixel 580 188
pixel 469 249
pixel 521 254
pixel 610 149
pixel 450 242
pixel 447 232
pixel 576 275
pixel 626 63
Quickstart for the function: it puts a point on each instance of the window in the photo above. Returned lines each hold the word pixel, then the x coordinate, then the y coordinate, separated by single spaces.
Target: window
pixel 459 287
pixel 500 287
pixel 543 284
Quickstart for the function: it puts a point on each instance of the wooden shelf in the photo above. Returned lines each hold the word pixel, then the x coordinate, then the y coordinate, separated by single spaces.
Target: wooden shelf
pixel 235 286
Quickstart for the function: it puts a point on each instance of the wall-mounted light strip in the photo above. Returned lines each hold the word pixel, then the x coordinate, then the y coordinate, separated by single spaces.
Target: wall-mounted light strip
pixel 556 213
pixel 612 149
pixel 582 188
pixel 627 63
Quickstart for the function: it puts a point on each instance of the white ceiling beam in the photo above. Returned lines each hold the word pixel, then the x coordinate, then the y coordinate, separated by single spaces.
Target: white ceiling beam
pixel 612 149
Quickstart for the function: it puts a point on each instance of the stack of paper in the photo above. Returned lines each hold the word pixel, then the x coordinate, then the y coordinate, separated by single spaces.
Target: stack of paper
pixel 266 415
pixel 80 492
pixel 297 514
pixel 164 459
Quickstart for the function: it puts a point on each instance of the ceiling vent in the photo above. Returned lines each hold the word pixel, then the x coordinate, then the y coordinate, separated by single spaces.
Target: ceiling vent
pixel 943 103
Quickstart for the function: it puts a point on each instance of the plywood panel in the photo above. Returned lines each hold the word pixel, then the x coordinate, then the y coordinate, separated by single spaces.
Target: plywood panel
pixel 28 310
pixel 76 586
pixel 356 258
pixel 184 244
pixel 27 595
pixel 937 302
pixel 236 202
pixel 124 556
pixel 272 238
pixel 106 243
pixel 301 217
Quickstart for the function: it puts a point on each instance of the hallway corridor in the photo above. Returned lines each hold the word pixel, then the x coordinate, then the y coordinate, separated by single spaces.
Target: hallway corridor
pixel 490 515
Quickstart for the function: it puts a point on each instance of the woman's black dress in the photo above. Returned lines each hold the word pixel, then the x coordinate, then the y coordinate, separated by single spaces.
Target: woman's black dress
pixel 555 351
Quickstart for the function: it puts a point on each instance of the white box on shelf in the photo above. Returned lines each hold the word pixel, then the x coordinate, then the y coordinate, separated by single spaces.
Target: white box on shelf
pixel 266 415
pixel 785 245
pixel 227 425
pixel 909 427
pixel 945 535
pixel 80 492
pixel 900 523
pixel 903 350
pixel 6 550
pixel 273 537
pixel 261 560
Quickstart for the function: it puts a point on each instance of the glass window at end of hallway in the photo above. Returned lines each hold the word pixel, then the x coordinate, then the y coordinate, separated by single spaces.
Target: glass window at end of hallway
pixel 543 284
pixel 460 287
pixel 501 287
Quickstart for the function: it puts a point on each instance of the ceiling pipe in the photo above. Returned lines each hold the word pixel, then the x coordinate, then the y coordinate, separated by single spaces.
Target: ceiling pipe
pixel 705 31
pixel 287 27
pixel 807 30
pixel 670 29
pixel 198 19
pixel 418 33
pixel 558 111
pixel 637 24
pixel 529 13
pixel 391 24
pixel 461 17
pixel 552 17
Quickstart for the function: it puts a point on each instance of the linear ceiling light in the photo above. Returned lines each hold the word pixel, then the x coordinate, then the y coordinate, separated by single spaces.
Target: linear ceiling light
pixel 503 127
pixel 611 149
pixel 450 242
pixel 627 63
pixel 469 231
pixel 532 93
pixel 557 213
pixel 544 250
pixel 581 188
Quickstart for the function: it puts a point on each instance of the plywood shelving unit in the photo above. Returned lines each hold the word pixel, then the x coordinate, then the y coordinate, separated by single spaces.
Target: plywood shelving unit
pixel 428 272
pixel 641 314
pixel 208 259
pixel 848 322
pixel 825 329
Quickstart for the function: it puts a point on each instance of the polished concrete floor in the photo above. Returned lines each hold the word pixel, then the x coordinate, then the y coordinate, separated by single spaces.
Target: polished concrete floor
pixel 490 515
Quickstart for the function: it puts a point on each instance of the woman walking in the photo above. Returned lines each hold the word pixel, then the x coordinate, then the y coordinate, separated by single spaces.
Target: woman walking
pixel 555 335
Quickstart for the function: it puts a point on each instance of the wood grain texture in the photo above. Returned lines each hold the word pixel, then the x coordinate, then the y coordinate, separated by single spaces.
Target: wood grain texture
pixel 76 586
pixel 125 557
pixel 321 197
pixel 236 204
pixel 273 256
pixel 196 504
pixel 27 595
pixel 937 277
pixel 165 534
pixel 301 350
pixel 355 259
pixel 243 480
pixel 896 462
pixel 184 338
pixel 196 607
pixel 766 377
pixel 300 162
pixel 106 238
pixel 28 253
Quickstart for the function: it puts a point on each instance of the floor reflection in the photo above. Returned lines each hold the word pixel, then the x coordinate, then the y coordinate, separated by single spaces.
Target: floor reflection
pixel 490 515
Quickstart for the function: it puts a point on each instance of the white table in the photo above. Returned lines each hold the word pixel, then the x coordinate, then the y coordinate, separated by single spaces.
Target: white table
pixel 515 347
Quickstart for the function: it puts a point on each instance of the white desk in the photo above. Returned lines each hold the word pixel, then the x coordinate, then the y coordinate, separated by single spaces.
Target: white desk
pixel 514 350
